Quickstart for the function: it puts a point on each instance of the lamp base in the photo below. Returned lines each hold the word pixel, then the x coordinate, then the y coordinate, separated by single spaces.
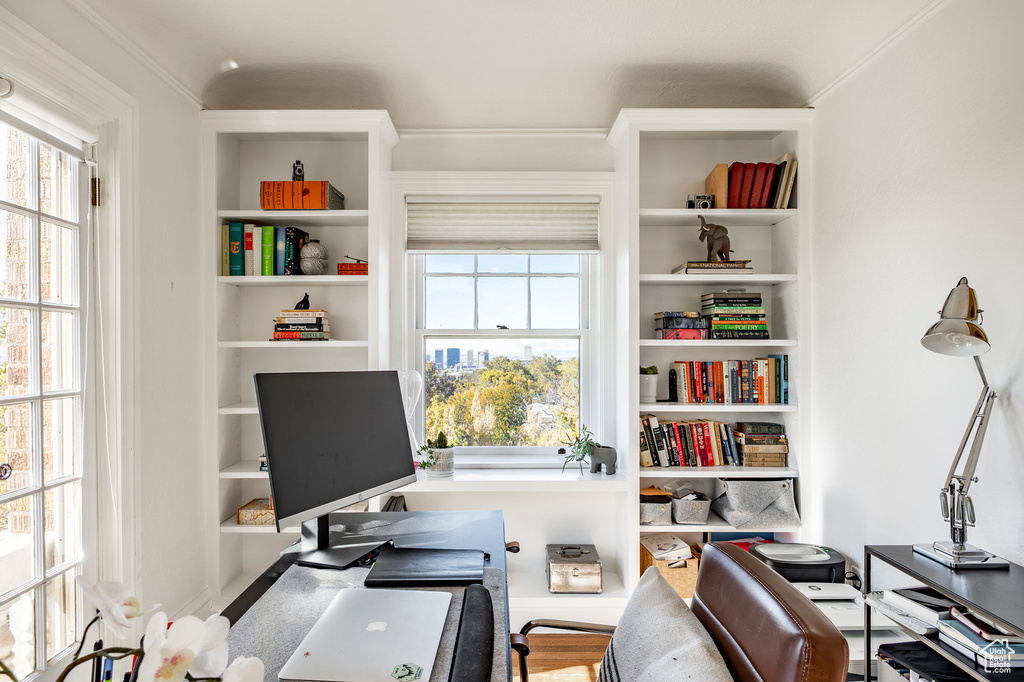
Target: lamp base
pixel 970 557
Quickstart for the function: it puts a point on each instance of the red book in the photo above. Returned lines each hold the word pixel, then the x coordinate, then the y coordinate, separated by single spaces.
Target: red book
pixel 757 190
pixel 748 184
pixel 706 428
pixel 680 443
pixel 719 383
pixel 698 441
pixel 735 184
pixel 769 180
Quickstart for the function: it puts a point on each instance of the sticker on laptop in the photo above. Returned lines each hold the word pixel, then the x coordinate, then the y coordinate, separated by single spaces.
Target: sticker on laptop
pixel 407 672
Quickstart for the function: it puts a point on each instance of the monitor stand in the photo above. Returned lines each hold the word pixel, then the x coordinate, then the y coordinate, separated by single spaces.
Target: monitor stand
pixel 317 550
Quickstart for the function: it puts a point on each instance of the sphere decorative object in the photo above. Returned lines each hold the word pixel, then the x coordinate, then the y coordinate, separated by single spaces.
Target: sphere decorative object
pixel 313 258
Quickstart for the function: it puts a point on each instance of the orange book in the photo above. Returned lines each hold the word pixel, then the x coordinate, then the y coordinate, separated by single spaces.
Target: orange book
pixel 300 195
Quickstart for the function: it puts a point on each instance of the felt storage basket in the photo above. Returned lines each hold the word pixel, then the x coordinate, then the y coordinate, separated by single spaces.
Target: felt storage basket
pixel 690 511
pixel 763 504
pixel 655 513
pixel 683 580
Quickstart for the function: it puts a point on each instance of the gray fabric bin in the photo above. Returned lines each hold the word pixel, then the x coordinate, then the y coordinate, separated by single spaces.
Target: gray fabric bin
pixel 690 511
pixel 763 504
pixel 655 513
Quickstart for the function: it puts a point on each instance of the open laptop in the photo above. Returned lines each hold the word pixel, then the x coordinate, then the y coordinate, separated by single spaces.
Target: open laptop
pixel 372 636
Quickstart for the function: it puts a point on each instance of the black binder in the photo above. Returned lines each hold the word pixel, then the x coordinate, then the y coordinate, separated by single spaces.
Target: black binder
pixel 416 567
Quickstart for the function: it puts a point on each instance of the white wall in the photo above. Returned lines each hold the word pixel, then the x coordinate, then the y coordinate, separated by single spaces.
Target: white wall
pixel 170 557
pixel 920 169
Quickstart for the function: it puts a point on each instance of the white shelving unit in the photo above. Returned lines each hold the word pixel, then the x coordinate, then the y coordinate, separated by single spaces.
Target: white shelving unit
pixel 352 150
pixel 661 156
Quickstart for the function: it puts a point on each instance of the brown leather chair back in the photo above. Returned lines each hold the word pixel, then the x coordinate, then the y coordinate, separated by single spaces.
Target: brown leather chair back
pixel 765 629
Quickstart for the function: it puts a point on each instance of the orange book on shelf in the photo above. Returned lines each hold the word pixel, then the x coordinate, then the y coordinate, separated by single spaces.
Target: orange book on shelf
pixel 288 195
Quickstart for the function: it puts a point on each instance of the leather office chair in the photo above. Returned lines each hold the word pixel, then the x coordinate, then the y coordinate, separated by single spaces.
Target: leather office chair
pixel 764 628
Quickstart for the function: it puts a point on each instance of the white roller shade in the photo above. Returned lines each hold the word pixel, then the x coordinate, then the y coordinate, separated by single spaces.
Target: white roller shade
pixel 563 227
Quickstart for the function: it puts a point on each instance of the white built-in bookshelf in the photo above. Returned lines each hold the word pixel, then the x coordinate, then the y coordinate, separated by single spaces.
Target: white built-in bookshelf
pixel 352 150
pixel 661 156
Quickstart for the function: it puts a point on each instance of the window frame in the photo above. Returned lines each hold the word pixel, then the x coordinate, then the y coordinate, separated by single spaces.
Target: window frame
pixel 37 396
pixel 420 334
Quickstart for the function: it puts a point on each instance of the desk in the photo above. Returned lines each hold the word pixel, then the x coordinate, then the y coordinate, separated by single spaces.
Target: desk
pixel 997 594
pixel 483 530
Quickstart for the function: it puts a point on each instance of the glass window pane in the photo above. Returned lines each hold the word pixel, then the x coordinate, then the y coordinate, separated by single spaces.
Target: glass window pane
pixel 17 551
pixel 16 447
pixel 15 267
pixel 61 613
pixel 15 351
pixel 61 519
pixel 58 183
pixel 501 301
pixel 449 302
pixel 555 263
pixel 509 392
pixel 502 264
pixel 448 263
pixel 57 336
pixel 59 438
pixel 555 302
pixel 16 162
pixel 18 632
pixel 58 259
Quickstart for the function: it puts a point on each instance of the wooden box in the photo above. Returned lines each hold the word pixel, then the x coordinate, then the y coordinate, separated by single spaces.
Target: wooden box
pixel 258 512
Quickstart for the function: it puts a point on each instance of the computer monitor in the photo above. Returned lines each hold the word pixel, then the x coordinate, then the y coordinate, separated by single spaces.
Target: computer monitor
pixel 332 439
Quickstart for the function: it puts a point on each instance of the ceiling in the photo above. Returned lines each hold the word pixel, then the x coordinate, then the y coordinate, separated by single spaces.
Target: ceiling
pixel 523 63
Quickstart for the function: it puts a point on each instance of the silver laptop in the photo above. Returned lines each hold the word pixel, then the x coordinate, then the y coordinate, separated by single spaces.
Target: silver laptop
pixel 372 636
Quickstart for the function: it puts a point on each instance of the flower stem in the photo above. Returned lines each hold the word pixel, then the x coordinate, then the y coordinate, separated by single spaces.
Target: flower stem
pixel 115 653
pixel 4 670
pixel 78 651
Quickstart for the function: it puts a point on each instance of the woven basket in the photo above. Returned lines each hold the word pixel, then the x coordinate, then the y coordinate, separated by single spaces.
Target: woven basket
pixel 682 580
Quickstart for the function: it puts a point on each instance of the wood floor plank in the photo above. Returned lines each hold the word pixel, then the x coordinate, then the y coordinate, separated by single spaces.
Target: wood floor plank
pixel 564 657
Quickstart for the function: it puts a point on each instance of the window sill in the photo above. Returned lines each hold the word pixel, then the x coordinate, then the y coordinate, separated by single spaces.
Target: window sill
pixel 524 480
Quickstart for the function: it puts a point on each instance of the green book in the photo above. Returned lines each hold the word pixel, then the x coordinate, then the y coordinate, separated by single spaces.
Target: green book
pixel 268 250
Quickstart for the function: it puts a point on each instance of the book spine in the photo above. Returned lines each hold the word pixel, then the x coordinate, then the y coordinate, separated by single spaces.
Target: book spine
pixel 735 183
pixel 279 239
pixel 249 263
pixel 761 428
pixel 728 334
pixel 290 256
pixel 724 438
pixel 680 443
pixel 659 441
pixel 645 452
pixel 749 171
pixel 645 421
pixel 698 432
pixel 732 444
pixel 225 250
pixel 719 383
pixel 769 179
pixel 670 444
pixel 785 379
pixel 302 335
pixel 257 251
pixel 299 320
pixel 764 449
pixel 714 457
pixel 267 254
pixel 237 246
pixel 691 448
pixel 292 327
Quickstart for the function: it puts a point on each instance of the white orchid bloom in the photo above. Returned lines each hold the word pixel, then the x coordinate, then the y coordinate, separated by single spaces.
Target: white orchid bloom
pixel 212 655
pixel 244 670
pixel 115 602
pixel 170 652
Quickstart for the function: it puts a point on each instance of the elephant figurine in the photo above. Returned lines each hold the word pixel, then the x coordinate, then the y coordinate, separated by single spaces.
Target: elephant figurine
pixel 602 454
pixel 718 240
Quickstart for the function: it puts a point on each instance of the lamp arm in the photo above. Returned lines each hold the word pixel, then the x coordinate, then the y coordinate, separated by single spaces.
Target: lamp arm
pixel 967 435
pixel 979 437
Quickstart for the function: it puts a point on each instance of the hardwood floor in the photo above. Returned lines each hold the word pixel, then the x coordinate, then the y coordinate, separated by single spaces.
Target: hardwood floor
pixel 563 657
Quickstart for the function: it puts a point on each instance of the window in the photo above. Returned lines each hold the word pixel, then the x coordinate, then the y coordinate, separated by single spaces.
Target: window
pixel 503 344
pixel 41 410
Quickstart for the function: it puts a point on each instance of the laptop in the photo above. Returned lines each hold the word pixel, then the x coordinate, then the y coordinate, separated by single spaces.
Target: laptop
pixel 372 636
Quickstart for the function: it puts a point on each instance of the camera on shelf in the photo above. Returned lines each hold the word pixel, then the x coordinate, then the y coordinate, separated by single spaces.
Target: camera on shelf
pixel 700 201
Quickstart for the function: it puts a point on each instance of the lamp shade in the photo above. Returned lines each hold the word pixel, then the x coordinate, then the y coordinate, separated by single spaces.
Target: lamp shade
pixel 957 331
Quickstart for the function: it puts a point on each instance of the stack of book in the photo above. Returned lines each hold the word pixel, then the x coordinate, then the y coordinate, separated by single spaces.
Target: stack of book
pixel 735 315
pixel 981 641
pixel 714 267
pixel 762 444
pixel 302 325
pixel 699 443
pixel 753 185
pixel 724 382
pixel 681 325
pixel 353 268
pixel 261 250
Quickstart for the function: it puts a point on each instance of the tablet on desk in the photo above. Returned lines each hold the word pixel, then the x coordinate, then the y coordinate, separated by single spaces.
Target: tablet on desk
pixel 420 567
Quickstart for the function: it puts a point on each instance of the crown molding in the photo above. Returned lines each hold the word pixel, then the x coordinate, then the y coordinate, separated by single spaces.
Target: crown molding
pixel 100 22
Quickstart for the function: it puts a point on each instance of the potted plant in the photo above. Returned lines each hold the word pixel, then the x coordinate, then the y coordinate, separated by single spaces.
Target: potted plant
pixel 578 447
pixel 649 384
pixel 438 457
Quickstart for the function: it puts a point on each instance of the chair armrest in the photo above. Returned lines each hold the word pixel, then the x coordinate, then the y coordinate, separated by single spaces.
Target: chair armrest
pixel 521 643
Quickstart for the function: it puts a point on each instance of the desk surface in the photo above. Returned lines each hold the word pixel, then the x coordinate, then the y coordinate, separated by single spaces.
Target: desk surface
pixel 995 592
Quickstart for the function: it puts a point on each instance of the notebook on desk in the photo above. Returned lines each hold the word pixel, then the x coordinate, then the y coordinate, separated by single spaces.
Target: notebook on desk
pixel 372 636
pixel 419 567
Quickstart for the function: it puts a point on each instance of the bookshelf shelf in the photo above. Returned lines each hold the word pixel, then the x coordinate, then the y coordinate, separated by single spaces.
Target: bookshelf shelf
pixel 232 526
pixel 739 217
pixel 296 281
pixel 247 468
pixel 714 280
pixel 239 408
pixel 347 218
pixel 718 472
pixel 692 408
pixel 521 480
pixel 715 524
pixel 530 590
pixel 321 345
pixel 718 343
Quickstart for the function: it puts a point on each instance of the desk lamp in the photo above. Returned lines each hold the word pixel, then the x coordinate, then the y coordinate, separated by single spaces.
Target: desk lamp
pixel 959 333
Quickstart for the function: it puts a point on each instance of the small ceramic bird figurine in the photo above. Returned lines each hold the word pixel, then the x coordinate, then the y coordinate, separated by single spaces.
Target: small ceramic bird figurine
pixel 303 304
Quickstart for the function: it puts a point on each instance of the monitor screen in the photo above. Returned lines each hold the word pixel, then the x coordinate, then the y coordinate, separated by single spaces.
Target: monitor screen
pixel 332 439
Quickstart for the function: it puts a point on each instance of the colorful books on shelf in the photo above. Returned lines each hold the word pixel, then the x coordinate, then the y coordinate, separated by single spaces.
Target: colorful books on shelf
pixel 998 653
pixel 291 195
pixel 680 325
pixel 760 449
pixel 734 382
pixel 754 185
pixel 714 267
pixel 302 325
pixel 700 442
pixel 261 250
pixel 735 315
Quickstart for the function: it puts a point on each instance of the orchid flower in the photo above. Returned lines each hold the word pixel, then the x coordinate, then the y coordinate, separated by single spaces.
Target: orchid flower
pixel 244 670
pixel 170 652
pixel 115 602
pixel 212 655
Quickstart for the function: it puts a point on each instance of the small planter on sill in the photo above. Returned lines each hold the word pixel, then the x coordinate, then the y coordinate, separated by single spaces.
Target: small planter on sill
pixel 438 459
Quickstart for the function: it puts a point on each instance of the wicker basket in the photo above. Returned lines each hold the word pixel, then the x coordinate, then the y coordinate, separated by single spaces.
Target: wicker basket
pixel 682 580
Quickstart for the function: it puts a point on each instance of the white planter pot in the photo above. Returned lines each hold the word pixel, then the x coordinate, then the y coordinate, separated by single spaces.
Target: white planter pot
pixel 648 388
pixel 444 464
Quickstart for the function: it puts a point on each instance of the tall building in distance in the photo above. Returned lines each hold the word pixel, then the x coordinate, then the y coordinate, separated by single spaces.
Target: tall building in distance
pixel 527 353
pixel 439 358
pixel 452 358
pixel 469 357
pixel 484 358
